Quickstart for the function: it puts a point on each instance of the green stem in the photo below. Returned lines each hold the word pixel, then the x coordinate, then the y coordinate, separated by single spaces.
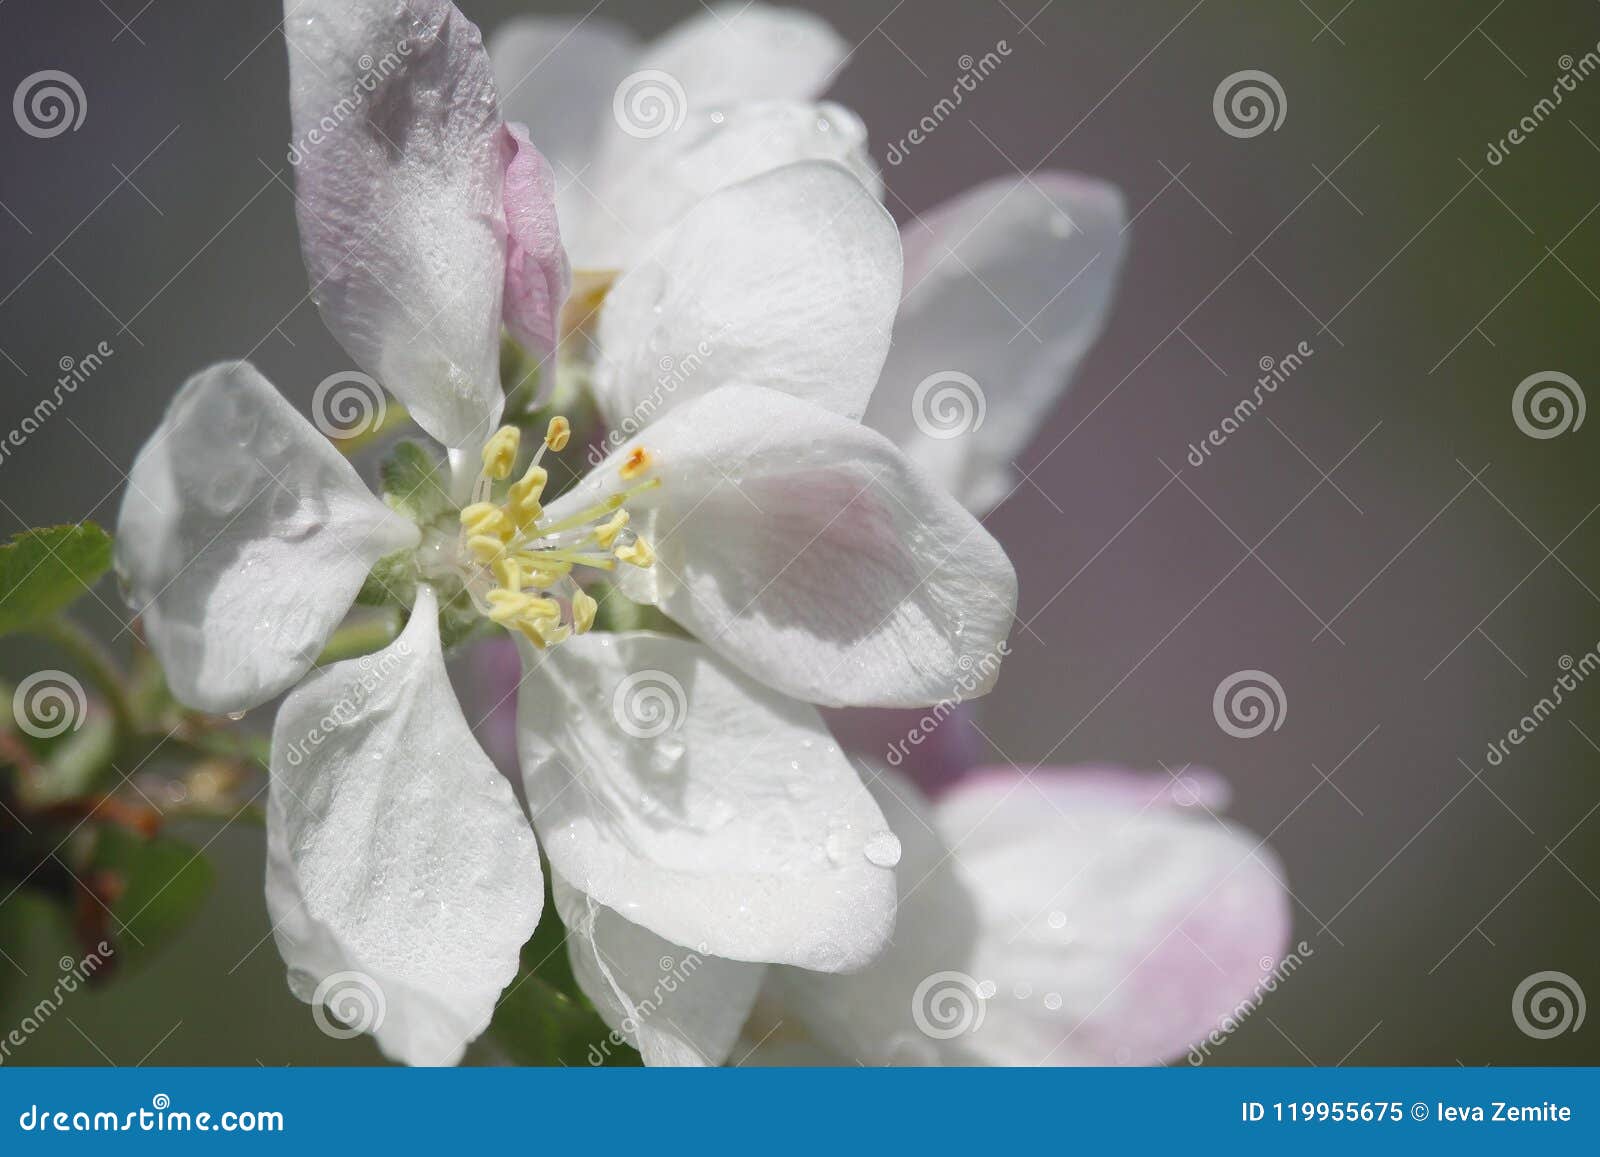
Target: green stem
pixel 97 663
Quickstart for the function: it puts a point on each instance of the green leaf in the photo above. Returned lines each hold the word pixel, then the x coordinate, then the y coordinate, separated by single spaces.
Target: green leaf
pixel 416 482
pixel 163 883
pixel 42 571
pixel 539 1023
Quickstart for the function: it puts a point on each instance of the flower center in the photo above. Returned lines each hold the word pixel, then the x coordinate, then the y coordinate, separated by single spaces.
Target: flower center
pixel 520 563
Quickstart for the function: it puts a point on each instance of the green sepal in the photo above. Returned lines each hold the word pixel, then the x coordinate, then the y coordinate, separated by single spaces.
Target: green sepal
pixel 416 482
pixel 392 581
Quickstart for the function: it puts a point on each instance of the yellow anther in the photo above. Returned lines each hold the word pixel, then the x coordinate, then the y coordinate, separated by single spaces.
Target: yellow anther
pixel 607 532
pixel 637 552
pixel 508 572
pixel 500 452
pixel 583 609
pixel 485 547
pixel 522 503
pixel 542 634
pixel 515 607
pixel 558 433
pixel 485 518
pixel 637 462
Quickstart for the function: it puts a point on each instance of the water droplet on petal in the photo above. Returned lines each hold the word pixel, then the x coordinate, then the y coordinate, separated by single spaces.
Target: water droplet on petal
pixel 883 849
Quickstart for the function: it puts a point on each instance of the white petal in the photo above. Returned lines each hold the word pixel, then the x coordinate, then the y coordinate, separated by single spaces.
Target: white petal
pixel 399 860
pixel 811 552
pixel 867 1017
pixel 675 1005
pixel 647 183
pixel 1007 285
pixel 556 75
pixel 701 805
pixel 741 52
pixel 400 155
pixel 243 538
pixel 789 280
pixel 1106 923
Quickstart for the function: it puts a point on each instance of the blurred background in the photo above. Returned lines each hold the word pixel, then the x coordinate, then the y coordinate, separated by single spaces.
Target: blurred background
pixel 1383 538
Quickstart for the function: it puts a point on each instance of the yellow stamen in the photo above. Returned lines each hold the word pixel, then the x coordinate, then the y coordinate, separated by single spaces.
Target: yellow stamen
pixel 486 518
pixel 583 609
pixel 558 434
pixel 606 534
pixel 509 573
pixel 637 553
pixel 500 452
pixel 485 548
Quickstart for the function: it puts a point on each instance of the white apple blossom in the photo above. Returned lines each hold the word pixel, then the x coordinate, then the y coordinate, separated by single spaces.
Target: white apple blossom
pixel 813 560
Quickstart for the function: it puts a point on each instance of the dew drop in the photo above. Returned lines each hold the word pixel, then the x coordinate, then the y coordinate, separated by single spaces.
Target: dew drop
pixel 883 849
pixel 1052 1000
pixel 236 715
